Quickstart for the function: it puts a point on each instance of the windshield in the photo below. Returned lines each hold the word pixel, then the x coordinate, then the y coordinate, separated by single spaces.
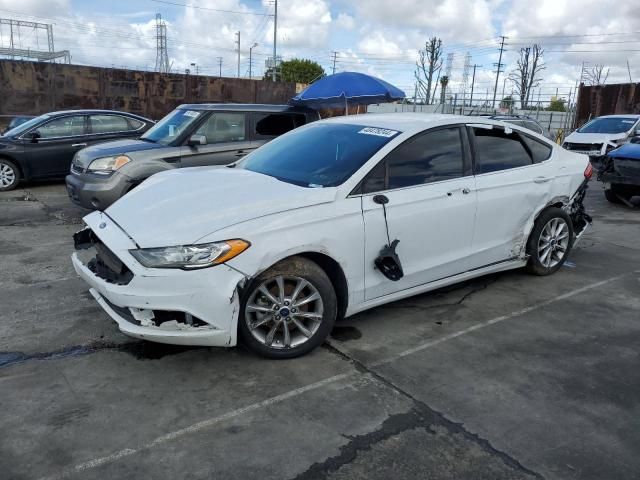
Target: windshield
pixel 609 125
pixel 171 126
pixel 23 127
pixel 320 155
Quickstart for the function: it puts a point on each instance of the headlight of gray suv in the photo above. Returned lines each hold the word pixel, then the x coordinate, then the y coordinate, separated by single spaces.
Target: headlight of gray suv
pixel 190 256
pixel 107 165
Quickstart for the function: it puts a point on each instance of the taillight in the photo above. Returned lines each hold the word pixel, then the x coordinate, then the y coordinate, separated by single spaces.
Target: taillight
pixel 588 172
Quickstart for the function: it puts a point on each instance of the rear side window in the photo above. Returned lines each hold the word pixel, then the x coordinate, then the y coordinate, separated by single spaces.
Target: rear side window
pixel 497 150
pixel 108 124
pixel 276 124
pixel 539 151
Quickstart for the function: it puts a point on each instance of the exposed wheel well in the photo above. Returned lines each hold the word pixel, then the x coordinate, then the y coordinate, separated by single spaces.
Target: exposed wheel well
pixel 335 274
pixel 16 163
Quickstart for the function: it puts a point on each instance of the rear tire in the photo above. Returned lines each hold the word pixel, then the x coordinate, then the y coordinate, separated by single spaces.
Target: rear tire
pixel 288 310
pixel 9 175
pixel 612 197
pixel 550 242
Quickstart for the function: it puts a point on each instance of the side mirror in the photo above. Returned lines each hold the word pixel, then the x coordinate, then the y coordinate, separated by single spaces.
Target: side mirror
pixel 635 139
pixel 195 140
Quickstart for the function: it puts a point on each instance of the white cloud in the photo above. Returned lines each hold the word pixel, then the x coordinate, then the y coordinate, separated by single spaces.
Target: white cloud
pixel 345 21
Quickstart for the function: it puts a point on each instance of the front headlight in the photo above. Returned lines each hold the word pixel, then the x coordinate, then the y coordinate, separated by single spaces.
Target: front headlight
pixel 190 256
pixel 106 165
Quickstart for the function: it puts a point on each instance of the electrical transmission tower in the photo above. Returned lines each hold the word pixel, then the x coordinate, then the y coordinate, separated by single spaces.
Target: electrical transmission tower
pixel 448 68
pixel 162 53
pixel 465 76
pixel 15 30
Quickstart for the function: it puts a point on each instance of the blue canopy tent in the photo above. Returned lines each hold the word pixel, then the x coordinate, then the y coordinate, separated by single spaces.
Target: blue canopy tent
pixel 347 88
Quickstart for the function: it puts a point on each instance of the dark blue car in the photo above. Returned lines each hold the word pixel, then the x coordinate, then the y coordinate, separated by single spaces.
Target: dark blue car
pixel 620 173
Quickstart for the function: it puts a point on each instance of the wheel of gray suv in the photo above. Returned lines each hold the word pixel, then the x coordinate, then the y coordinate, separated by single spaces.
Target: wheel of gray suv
pixel 550 241
pixel 9 175
pixel 288 310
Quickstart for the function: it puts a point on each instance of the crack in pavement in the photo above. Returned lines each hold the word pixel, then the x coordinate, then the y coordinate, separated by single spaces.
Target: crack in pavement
pixel 420 416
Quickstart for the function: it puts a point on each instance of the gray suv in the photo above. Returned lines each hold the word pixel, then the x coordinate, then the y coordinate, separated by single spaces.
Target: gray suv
pixel 190 136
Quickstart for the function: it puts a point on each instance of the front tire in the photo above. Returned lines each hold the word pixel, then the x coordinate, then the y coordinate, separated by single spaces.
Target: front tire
pixel 611 196
pixel 550 242
pixel 288 310
pixel 9 175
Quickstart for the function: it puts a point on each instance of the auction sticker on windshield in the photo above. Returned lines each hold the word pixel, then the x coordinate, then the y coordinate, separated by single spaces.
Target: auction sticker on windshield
pixel 191 113
pixel 379 132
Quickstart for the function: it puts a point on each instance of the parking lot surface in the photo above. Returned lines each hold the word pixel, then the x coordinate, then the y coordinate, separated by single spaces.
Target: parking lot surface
pixel 509 376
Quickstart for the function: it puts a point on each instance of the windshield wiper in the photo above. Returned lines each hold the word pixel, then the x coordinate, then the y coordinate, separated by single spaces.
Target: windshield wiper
pixel 146 140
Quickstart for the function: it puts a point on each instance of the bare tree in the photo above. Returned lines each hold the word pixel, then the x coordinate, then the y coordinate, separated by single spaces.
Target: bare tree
pixel 428 65
pixel 597 75
pixel 526 75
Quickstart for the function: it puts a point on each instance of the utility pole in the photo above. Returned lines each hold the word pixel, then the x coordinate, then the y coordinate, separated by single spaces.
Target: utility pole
pixel 275 40
pixel 499 69
pixel 629 70
pixel 250 58
pixel 335 54
pixel 220 67
pixel 473 81
pixel 238 43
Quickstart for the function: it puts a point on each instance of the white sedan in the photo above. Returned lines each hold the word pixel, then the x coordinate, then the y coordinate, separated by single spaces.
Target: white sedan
pixel 326 221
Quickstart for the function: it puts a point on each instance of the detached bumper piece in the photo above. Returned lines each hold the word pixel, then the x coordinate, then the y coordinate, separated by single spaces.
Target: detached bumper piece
pixel 579 217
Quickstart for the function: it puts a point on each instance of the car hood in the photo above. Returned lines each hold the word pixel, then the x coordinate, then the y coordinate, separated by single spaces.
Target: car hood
pixel 117 147
pixel 577 137
pixel 179 207
pixel 629 150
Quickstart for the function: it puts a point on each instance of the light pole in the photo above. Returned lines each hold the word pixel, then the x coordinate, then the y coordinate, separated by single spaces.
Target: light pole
pixel 195 68
pixel 250 64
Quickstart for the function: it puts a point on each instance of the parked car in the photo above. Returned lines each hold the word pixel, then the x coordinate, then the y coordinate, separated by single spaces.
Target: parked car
pixel 523 121
pixel 190 136
pixel 620 173
pixel 328 220
pixel 43 147
pixel 603 134
pixel 16 121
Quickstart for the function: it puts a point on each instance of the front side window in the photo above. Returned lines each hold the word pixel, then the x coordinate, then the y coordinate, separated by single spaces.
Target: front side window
pixel 223 127
pixel 62 127
pixel 318 155
pixel 497 150
pixel 108 124
pixel 172 126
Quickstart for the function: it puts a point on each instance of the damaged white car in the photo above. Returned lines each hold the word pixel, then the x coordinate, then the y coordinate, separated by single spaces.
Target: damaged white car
pixel 326 221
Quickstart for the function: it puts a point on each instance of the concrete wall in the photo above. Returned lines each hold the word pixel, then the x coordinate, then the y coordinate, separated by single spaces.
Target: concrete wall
pixel 33 88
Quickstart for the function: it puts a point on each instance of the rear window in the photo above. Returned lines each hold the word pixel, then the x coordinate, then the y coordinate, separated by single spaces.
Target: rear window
pixel 276 124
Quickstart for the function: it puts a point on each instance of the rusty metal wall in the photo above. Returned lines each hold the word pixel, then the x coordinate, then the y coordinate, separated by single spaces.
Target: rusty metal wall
pixel 594 101
pixel 33 88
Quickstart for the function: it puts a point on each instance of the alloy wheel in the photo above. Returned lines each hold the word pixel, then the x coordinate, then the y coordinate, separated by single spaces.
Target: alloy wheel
pixel 7 175
pixel 553 243
pixel 284 312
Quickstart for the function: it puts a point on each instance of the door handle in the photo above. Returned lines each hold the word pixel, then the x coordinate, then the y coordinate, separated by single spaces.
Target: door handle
pixel 79 145
pixel 466 190
pixel 541 179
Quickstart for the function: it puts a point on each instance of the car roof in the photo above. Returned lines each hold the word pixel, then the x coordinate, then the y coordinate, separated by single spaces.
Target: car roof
pixel 94 112
pixel 242 107
pixel 405 121
pixel 630 115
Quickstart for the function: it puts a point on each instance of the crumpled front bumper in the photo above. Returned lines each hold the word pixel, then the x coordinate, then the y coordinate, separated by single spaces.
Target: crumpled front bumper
pixel 210 294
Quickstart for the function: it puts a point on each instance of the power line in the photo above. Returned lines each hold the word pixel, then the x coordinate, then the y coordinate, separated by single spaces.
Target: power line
pixel 177 4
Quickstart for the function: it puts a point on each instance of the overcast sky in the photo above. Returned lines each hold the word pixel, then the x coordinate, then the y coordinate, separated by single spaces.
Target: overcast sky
pixel 380 37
